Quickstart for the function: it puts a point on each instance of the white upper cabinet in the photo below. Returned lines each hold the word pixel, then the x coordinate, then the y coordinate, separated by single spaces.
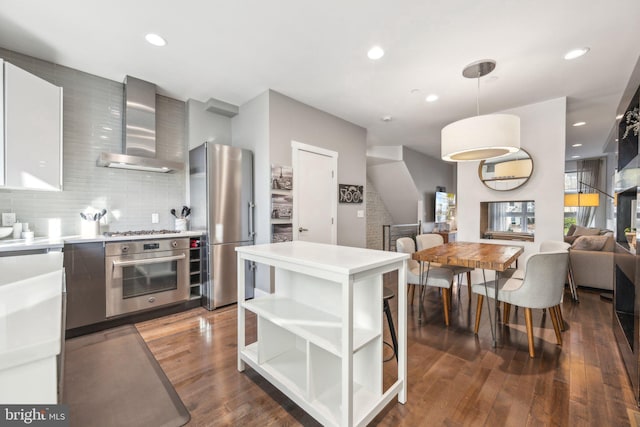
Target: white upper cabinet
pixel 32 130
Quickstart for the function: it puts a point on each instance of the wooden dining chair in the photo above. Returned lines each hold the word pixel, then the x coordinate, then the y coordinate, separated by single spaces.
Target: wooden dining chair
pixel 541 287
pixel 435 276
pixel 429 240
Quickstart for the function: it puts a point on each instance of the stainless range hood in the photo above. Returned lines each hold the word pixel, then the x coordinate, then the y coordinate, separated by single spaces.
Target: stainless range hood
pixel 139 132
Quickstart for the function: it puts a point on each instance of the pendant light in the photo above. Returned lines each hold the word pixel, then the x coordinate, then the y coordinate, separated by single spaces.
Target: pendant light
pixel 483 136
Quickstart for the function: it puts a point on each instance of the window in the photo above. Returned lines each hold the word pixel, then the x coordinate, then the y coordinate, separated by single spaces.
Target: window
pixel 570 187
pixel 512 220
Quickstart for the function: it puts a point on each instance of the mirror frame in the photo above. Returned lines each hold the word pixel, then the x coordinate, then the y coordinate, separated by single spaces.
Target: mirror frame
pixel 525 180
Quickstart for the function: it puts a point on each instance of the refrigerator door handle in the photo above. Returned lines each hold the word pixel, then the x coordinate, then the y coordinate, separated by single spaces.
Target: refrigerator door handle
pixel 250 216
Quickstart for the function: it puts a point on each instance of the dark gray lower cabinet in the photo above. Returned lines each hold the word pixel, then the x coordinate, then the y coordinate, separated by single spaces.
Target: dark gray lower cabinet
pixel 86 300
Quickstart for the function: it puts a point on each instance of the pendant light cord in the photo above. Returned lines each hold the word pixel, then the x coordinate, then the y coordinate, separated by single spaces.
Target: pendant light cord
pixel 478 96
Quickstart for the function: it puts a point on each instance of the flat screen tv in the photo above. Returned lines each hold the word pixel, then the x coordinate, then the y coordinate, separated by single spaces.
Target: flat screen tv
pixel 445 207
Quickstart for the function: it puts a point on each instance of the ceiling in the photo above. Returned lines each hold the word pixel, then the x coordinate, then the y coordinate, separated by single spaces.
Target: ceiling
pixel 316 52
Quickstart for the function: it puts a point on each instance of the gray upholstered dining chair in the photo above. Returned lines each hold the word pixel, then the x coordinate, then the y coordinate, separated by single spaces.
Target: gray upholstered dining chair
pixel 546 246
pixel 429 240
pixel 541 287
pixel 434 276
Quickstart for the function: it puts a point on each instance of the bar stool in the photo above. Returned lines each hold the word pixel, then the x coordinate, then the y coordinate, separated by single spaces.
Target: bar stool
pixel 387 294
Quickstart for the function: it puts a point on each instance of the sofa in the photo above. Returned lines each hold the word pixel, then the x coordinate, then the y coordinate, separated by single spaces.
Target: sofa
pixel 591 256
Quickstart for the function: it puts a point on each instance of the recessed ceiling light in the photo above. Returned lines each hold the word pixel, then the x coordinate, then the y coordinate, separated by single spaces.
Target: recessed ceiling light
pixel 431 98
pixel 574 157
pixel 616 139
pixel 576 53
pixel 375 52
pixel 619 116
pixel 577 145
pixel 155 39
pixel 415 91
pixel 386 118
pixel 577 124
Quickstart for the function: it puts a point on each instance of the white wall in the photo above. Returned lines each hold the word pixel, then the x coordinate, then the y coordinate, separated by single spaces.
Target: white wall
pixel 203 125
pixel 291 120
pixel 250 130
pixel 543 136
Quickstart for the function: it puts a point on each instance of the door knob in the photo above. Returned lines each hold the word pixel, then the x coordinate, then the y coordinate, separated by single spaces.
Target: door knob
pixel 300 229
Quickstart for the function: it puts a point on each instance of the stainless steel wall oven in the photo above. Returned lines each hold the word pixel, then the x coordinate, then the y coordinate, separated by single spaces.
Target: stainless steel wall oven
pixel 145 274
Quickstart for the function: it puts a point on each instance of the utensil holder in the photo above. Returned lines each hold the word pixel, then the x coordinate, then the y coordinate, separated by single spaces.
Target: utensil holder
pixel 17 230
pixel 181 224
pixel 89 228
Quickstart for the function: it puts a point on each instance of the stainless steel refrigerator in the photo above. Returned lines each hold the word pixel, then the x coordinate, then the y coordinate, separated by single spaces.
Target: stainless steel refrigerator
pixel 221 187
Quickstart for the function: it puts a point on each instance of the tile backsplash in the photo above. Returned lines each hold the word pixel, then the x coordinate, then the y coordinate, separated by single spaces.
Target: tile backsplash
pixel 92 123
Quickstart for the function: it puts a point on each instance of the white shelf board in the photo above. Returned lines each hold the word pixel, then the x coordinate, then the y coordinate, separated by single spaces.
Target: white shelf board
pixel 329 403
pixel 285 381
pixel 319 327
pixel 290 367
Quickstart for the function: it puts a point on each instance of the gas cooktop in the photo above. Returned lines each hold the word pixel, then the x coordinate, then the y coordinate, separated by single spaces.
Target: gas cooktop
pixel 138 233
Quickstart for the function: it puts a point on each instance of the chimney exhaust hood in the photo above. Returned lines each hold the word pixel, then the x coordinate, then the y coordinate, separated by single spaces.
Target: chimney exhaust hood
pixel 139 132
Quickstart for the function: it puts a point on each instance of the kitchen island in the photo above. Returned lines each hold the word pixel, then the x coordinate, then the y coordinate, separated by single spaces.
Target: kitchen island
pixel 31 325
pixel 320 332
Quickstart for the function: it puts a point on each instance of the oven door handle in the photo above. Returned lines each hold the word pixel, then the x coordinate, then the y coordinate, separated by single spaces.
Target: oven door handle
pixel 148 260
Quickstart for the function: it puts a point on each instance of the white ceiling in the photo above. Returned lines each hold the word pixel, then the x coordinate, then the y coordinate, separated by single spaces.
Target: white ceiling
pixel 315 52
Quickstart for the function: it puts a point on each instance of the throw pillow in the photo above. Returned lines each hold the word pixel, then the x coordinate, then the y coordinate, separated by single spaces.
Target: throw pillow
pixel 589 243
pixel 570 239
pixel 571 230
pixel 584 231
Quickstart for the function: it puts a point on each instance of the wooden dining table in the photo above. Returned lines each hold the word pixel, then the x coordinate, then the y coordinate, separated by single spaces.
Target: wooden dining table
pixel 485 256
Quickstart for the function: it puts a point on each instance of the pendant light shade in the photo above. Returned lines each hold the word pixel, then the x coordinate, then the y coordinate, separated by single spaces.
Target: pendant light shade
pixel 481 137
pixel 581 199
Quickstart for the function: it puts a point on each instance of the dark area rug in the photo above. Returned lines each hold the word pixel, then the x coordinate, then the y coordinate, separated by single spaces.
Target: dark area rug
pixel 112 379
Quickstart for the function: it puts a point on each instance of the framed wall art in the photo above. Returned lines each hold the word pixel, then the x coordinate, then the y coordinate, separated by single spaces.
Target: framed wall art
pixel 281 177
pixel 349 193
pixel 281 233
pixel 281 206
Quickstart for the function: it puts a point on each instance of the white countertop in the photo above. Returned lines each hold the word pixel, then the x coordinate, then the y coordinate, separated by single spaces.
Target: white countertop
pixel 46 243
pixel 334 258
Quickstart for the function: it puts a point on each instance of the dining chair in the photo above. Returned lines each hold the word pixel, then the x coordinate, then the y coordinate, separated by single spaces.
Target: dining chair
pixel 559 246
pixel 433 276
pixel 541 287
pixel 546 246
pixel 429 240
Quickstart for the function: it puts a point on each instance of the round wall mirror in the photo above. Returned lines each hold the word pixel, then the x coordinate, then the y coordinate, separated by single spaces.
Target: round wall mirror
pixel 506 173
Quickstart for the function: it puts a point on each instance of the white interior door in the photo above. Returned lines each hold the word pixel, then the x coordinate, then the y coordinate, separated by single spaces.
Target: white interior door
pixel 315 193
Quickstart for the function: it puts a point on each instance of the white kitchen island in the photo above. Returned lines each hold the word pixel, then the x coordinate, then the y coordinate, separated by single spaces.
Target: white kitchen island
pixel 319 337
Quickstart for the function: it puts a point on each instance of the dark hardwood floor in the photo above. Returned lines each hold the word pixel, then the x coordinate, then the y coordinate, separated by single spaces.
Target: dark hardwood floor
pixel 454 377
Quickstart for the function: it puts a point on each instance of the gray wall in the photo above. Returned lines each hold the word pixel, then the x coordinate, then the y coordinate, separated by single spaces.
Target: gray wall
pixel 266 125
pixel 427 173
pixel 290 120
pixel 92 109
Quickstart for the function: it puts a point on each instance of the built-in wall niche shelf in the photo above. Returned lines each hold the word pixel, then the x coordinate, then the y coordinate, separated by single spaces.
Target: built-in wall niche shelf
pixel 319 334
pixel 508 220
pixel 281 203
